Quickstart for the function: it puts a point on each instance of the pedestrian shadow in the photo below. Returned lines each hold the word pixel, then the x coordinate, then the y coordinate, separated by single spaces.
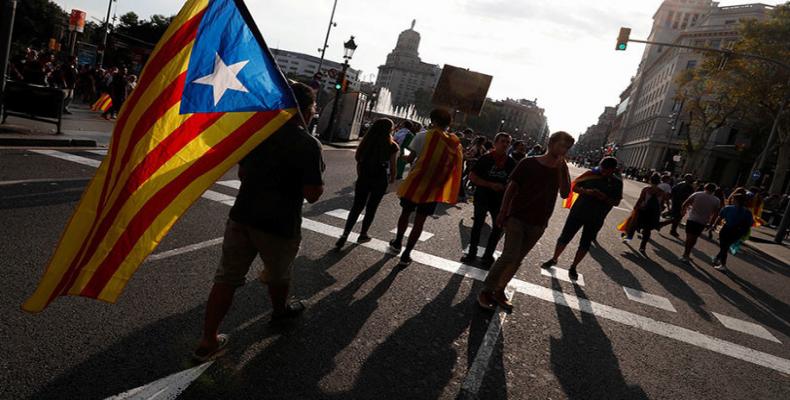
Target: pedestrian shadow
pixel 465 233
pixel 583 358
pixel 41 194
pixel 295 363
pixel 614 269
pixel 418 359
pixel 164 347
pixel 341 201
pixel 673 283
pixel 763 308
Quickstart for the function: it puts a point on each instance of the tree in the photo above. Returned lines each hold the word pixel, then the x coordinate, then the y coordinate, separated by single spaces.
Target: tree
pixel 709 102
pixel 37 21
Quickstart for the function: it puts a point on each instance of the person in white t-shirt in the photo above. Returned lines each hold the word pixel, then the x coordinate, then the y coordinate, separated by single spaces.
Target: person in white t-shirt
pixel 704 210
pixel 400 134
pixel 666 187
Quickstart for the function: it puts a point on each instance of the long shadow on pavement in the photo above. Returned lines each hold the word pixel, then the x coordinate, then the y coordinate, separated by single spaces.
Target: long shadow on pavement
pixel 164 347
pixel 583 359
pixel 614 269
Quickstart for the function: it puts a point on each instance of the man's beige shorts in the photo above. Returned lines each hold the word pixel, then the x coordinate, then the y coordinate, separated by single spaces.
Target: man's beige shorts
pixel 239 248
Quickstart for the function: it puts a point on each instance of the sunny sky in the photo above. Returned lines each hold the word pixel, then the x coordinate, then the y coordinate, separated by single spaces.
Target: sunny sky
pixel 558 51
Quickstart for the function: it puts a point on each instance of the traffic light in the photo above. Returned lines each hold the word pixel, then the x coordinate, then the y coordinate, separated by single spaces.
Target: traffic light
pixel 338 86
pixel 622 38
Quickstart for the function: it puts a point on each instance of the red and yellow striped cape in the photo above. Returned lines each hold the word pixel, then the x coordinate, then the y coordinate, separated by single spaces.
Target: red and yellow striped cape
pixel 103 104
pixel 436 177
pixel 159 162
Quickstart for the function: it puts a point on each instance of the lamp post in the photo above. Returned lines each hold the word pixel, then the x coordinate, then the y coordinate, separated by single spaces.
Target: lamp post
pixel 501 124
pixel 106 33
pixel 348 52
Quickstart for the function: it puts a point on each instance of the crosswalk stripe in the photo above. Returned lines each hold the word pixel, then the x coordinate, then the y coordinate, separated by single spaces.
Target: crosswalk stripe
pixel 98 152
pixel 219 197
pixel 168 387
pixel 561 274
pixel 69 157
pixel 235 184
pixel 649 299
pixel 482 250
pixel 342 214
pixel 423 236
pixel 746 327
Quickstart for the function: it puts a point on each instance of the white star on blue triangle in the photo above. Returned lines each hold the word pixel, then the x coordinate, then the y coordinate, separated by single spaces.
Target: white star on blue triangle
pixel 229 69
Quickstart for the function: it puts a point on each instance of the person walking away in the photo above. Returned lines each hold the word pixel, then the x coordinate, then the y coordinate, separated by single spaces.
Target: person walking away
pixel 490 175
pixel 435 178
pixel 526 209
pixel 376 163
pixel 405 129
pixel 680 193
pixel 404 144
pixel 738 219
pixel 265 220
pixel 649 212
pixel 666 186
pixel 704 209
pixel 595 193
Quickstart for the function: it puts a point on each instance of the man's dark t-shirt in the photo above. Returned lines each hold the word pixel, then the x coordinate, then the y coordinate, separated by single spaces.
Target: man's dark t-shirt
pixel 538 186
pixel 680 193
pixel 486 169
pixel 271 194
pixel 588 208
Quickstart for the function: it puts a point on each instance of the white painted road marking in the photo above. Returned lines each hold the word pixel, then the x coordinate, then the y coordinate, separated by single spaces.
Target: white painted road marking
pixel 423 236
pixel 477 371
pixel 185 249
pixel 664 329
pixel 235 184
pixel 219 197
pixel 98 152
pixel 746 327
pixel 482 250
pixel 168 387
pixel 561 274
pixel 342 214
pixel 649 299
pixel 69 157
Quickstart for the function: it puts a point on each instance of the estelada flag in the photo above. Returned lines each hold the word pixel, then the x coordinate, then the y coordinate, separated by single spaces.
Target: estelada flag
pixel 209 94
pixel 587 176
pixel 436 177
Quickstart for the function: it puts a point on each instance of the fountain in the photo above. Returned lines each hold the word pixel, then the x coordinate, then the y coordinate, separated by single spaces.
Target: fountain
pixel 384 106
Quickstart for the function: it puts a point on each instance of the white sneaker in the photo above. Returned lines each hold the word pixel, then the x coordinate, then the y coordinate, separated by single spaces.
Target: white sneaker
pixel 722 268
pixel 684 259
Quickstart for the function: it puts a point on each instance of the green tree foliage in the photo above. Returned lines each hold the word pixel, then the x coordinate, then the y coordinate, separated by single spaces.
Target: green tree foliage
pixel 37 21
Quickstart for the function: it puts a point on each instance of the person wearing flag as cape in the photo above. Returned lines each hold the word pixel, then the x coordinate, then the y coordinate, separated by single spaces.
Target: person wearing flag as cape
pixel 435 178
pixel 595 192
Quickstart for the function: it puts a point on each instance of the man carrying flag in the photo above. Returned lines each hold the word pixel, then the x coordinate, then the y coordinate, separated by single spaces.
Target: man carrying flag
pixel 435 178
pixel 595 193
pixel 210 93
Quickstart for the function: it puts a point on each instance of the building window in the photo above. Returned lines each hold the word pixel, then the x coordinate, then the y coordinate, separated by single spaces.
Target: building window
pixel 730 22
pixel 691 64
pixel 715 43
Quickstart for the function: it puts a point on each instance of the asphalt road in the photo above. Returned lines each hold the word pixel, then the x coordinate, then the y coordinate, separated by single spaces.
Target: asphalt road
pixel 373 331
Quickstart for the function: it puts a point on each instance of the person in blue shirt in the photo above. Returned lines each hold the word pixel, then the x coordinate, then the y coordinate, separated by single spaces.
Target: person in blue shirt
pixel 737 222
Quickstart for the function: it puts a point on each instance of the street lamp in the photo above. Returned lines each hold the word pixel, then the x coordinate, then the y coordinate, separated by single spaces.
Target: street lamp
pixel 501 124
pixel 349 48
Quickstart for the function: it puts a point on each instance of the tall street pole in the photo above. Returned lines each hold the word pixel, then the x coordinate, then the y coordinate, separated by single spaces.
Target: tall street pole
pixel 330 129
pixel 323 52
pixel 106 33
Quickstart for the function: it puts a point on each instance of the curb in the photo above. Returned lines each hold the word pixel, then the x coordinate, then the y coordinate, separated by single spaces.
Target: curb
pixel 341 145
pixel 763 253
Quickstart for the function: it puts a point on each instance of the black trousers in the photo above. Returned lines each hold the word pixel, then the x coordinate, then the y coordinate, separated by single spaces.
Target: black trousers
pixel 727 237
pixel 481 211
pixel 367 196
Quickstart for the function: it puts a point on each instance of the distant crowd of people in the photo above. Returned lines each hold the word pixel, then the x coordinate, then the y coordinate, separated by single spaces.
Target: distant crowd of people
pixel 85 82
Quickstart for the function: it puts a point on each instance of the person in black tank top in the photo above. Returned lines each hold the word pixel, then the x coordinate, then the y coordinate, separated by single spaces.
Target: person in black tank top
pixel 376 168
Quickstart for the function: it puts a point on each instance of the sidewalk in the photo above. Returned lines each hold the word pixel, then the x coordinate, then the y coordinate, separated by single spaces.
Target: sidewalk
pixel 83 128
pixel 762 241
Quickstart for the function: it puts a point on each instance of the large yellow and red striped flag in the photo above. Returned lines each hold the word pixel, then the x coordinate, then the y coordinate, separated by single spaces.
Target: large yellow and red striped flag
pixel 436 177
pixel 209 94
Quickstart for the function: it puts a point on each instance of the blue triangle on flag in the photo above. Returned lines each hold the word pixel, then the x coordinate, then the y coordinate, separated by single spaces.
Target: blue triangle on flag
pixel 230 68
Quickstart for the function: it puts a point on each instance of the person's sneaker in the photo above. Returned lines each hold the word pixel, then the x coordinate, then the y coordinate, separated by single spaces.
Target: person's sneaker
pixel 548 264
pixel 643 252
pixel 341 242
pixel 405 261
pixel 395 245
pixel 469 258
pixel 486 300
pixel 573 274
pixel 720 267
pixel 292 310
pixel 716 262
pixel 363 239
pixel 684 259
